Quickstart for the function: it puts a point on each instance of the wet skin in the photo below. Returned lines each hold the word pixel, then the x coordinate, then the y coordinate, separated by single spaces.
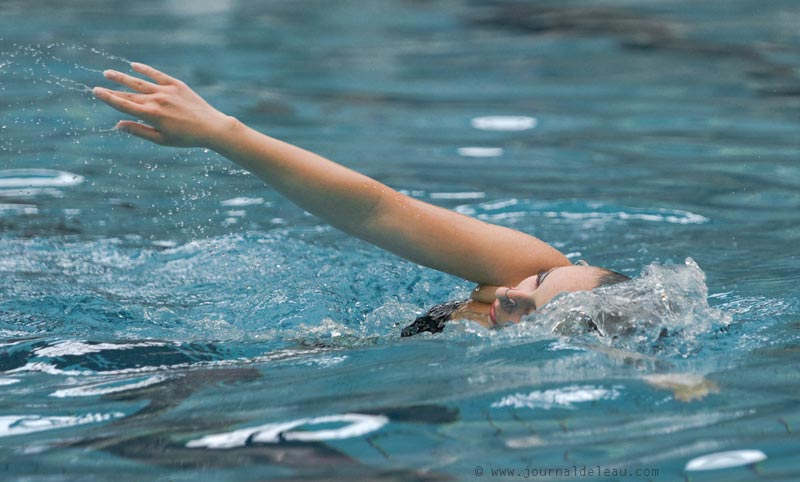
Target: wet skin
pixel 497 306
pixel 174 115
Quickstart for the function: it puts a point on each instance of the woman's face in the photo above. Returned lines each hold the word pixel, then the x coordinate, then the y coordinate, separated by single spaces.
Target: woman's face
pixel 514 302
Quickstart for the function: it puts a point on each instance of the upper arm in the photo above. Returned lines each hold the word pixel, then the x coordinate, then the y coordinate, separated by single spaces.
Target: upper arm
pixel 460 245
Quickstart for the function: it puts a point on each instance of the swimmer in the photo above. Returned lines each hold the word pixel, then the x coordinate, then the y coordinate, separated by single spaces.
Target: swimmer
pixel 515 273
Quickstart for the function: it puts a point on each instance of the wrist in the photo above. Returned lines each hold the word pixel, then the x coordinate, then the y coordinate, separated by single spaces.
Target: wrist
pixel 225 130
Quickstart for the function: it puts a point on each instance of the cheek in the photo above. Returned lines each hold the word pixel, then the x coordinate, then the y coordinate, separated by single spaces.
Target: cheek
pixel 543 296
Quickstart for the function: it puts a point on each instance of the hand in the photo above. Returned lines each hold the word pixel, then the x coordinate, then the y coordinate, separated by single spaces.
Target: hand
pixel 176 115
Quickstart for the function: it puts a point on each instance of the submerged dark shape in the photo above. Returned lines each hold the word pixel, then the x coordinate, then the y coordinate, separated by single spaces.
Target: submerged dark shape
pixel 172 391
pixel 427 413
pixel 145 437
pixel 160 449
pixel 541 19
pixel 639 31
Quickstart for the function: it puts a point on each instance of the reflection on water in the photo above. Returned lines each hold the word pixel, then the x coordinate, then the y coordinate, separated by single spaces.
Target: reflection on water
pixel 565 397
pixel 24 424
pixel 21 178
pixel 503 123
pixel 725 460
pixel 356 425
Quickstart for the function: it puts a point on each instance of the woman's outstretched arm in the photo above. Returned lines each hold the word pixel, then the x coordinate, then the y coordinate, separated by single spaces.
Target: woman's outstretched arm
pixel 426 234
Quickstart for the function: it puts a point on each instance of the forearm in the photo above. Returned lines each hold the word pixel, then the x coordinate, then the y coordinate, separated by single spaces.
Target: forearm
pixel 360 206
pixel 342 197
pixel 466 247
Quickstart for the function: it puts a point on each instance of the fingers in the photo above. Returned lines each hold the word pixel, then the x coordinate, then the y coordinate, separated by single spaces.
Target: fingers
pixel 116 101
pixel 137 98
pixel 140 130
pixel 154 74
pixel 134 83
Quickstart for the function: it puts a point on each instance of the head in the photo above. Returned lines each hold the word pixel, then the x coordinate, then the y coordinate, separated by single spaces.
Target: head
pixel 532 293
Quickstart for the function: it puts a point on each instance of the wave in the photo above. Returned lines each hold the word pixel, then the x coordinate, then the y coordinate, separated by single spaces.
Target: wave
pixel 664 311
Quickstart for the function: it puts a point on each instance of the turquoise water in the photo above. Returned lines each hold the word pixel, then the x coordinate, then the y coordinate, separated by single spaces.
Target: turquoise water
pixel 165 316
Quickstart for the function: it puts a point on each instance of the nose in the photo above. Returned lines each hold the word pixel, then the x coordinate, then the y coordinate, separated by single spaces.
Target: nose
pixel 511 305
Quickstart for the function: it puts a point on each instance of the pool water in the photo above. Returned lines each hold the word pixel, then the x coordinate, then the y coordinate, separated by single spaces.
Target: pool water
pixel 165 316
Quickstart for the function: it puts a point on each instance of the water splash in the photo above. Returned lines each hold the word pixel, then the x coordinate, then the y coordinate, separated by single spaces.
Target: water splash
pixel 664 311
pixel 52 83
pixel 36 62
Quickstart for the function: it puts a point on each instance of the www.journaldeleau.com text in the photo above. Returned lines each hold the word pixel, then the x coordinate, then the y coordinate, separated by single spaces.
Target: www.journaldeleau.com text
pixel 572 471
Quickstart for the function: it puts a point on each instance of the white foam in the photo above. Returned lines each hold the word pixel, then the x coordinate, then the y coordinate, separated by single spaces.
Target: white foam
pixel 46 368
pixel 8 381
pixel 22 424
pixel 480 151
pixel 504 123
pixel 22 178
pixel 51 369
pixel 71 347
pixel 559 397
pixel 105 388
pixel 358 424
pixel 724 460
pixel 326 361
